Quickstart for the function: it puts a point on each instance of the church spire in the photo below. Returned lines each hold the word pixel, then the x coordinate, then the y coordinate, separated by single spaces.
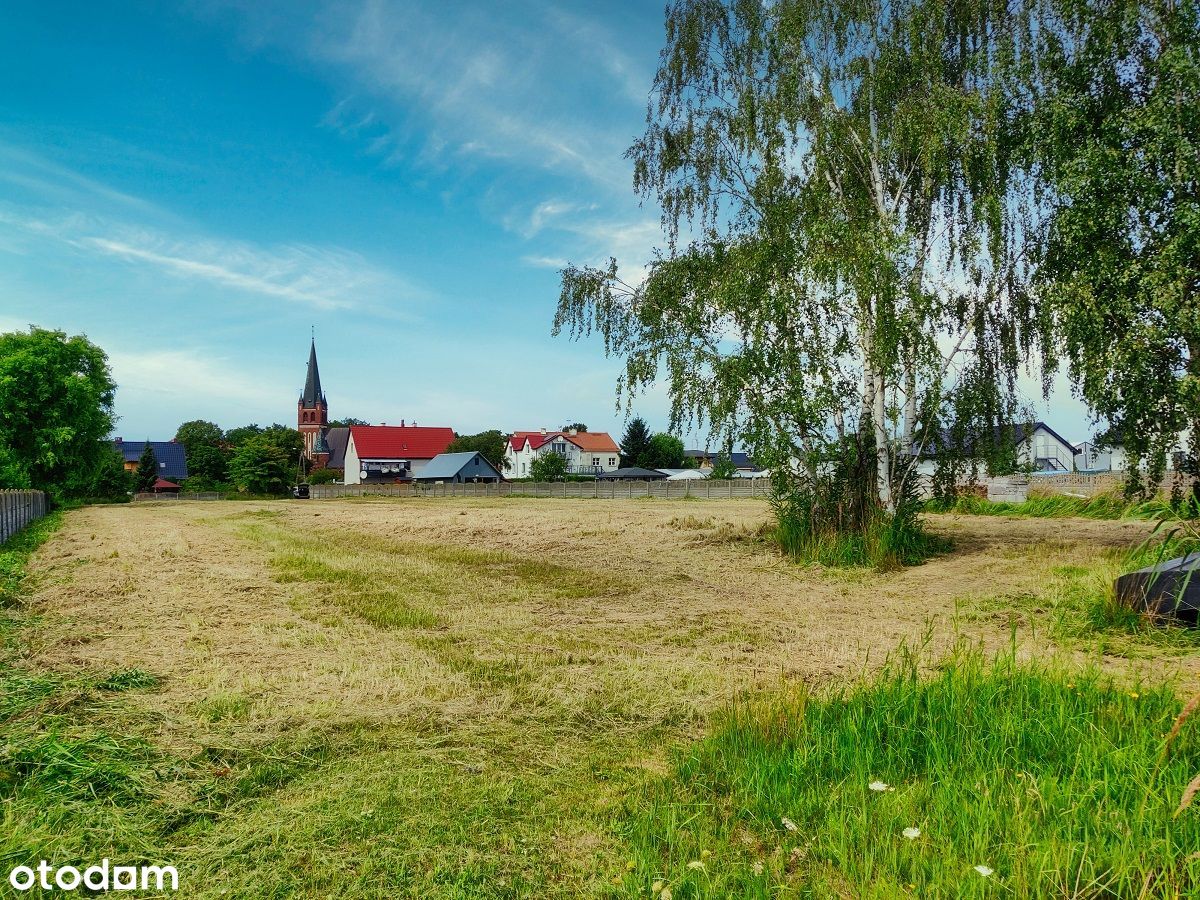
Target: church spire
pixel 312 385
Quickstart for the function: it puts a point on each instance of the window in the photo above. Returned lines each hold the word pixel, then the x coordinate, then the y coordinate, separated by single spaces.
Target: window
pixel 595 460
pixel 612 460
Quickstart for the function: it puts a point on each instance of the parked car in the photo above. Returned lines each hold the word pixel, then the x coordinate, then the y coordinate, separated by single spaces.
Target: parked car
pixel 300 491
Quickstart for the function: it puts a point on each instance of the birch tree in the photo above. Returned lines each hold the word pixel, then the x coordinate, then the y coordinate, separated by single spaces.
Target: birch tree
pixel 837 265
pixel 1115 126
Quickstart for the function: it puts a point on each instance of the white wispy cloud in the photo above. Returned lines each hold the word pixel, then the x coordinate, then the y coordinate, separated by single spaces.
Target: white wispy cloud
pixel 472 81
pixel 52 182
pixel 323 278
pixel 187 375
pixel 319 278
pixel 545 262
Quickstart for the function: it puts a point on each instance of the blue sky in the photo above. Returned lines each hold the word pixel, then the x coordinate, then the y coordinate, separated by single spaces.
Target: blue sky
pixel 194 185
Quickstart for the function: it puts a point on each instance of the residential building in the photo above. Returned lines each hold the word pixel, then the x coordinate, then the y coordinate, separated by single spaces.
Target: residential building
pixel 1113 458
pixel 632 473
pixel 1091 458
pixel 683 474
pixel 586 452
pixel 1044 449
pixel 457 468
pixel 1038 447
pixel 171 456
pixel 380 454
pixel 704 459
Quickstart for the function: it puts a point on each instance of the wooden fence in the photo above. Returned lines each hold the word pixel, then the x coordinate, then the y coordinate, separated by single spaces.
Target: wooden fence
pixel 700 488
pixel 18 509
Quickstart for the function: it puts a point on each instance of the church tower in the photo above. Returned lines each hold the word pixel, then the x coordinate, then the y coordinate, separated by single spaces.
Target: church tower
pixel 312 412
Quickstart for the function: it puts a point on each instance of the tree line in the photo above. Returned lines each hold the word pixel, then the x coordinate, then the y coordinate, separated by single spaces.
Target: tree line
pixel 57 412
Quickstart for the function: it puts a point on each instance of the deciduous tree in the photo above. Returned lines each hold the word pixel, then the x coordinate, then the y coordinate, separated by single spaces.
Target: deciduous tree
pixel 548 467
pixel 1114 123
pixel 56 411
pixel 261 466
pixel 489 444
pixel 199 433
pixel 665 451
pixel 837 246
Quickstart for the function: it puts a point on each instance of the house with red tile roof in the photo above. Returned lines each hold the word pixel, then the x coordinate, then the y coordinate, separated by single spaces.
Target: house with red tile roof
pixel 382 454
pixel 586 452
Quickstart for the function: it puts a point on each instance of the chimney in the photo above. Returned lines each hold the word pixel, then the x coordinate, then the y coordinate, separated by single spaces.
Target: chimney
pixel 401 423
pixel 543 430
pixel 573 432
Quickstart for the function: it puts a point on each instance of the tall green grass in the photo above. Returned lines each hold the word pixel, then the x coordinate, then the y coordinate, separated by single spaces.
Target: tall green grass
pixel 1055 506
pixel 1059 783
pixel 15 553
pixel 885 543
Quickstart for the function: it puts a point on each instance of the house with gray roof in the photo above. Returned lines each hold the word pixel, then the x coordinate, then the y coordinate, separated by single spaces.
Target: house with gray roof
pixel 457 468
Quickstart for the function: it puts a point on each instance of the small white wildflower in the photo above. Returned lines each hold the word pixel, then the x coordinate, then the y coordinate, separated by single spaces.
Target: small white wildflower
pixel 757 868
pixel 983 870
pixel 666 894
pixel 657 887
pixel 788 824
pixel 880 786
pixel 911 833
pixel 695 865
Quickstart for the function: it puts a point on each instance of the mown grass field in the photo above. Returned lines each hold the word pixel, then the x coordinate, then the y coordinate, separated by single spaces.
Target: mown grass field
pixel 514 698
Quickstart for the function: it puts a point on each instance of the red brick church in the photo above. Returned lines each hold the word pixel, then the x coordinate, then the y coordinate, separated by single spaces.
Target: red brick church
pixel 376 453
pixel 312 414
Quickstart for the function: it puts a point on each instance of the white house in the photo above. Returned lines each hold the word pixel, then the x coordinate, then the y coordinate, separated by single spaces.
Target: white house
pixel 586 452
pixel 1041 448
pixel 1044 449
pixel 1114 459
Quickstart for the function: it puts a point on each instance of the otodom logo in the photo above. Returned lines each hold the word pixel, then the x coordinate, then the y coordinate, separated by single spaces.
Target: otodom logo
pixel 101 877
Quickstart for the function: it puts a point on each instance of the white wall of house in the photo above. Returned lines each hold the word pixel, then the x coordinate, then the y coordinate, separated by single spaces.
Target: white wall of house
pixel 519 461
pixel 1043 445
pixel 353 464
pixel 1091 458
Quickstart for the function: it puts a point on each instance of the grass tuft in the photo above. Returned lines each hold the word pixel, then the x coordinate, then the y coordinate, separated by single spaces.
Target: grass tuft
pixel 1056 781
pixel 884 544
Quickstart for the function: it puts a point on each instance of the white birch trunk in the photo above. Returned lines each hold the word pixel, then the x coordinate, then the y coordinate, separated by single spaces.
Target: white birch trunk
pixel 883 469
